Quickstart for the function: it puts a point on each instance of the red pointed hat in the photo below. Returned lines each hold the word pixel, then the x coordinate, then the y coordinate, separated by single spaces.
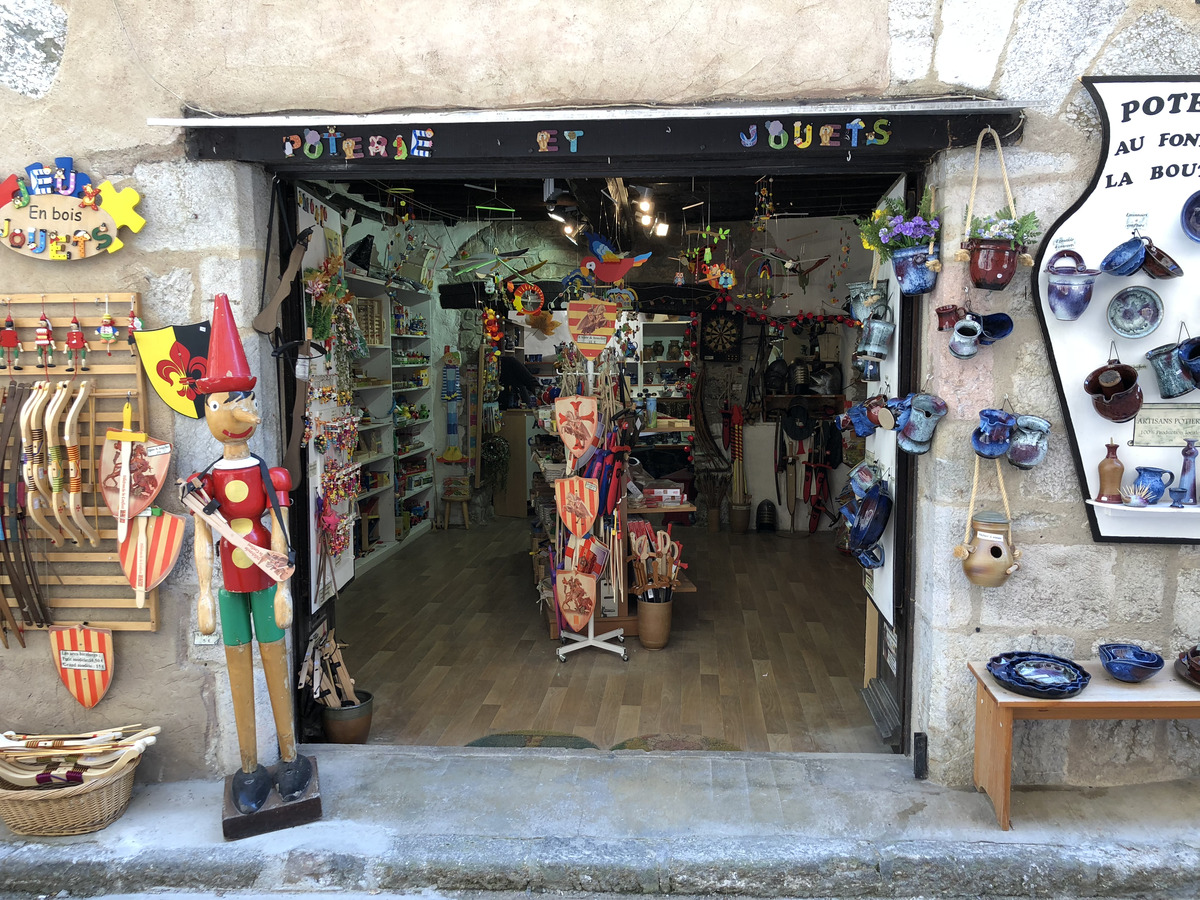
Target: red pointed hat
pixel 227 367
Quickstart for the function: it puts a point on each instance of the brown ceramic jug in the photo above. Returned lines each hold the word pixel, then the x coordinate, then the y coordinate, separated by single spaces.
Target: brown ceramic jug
pixel 1111 471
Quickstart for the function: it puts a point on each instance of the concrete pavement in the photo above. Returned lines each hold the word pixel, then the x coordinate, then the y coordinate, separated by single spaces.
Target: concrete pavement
pixel 401 819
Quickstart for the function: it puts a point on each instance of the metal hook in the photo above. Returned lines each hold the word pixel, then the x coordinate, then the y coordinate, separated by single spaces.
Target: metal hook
pixel 1182 331
pixel 1112 352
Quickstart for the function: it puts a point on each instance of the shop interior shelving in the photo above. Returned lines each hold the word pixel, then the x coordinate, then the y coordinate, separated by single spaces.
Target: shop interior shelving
pixel 411 362
pixel 658 330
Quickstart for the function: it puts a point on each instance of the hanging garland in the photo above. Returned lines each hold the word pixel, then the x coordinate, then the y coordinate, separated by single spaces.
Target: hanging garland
pixel 779 322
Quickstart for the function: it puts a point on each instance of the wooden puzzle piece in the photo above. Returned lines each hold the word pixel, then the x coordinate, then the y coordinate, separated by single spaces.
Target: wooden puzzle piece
pixel 119 205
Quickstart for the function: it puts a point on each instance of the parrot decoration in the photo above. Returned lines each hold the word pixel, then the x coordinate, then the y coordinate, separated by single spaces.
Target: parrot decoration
pixel 604 263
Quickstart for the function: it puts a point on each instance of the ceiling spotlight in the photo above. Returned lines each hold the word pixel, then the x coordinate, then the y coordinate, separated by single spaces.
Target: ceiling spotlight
pixel 661 229
pixel 568 229
pixel 647 219
pixel 556 217
pixel 644 205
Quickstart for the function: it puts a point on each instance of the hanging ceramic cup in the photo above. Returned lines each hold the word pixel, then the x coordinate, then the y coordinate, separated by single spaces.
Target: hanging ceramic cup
pixel 991 439
pixel 1173 379
pixel 995 327
pixel 1030 441
pixel 1125 258
pixel 1115 392
pixel 964 342
pixel 877 334
pixel 867 299
pixel 1069 286
pixel 948 315
pixel 926 410
pixel 868 366
pixel 1158 263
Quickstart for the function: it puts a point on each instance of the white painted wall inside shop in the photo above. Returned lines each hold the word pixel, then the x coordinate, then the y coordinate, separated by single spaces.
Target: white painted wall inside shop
pixel 82 83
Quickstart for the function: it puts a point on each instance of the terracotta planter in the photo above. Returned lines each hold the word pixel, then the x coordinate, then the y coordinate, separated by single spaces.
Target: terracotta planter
pixel 993 263
pixel 654 623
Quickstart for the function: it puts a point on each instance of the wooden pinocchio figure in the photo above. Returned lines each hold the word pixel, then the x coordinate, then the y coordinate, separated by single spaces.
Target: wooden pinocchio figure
pixel 43 340
pixel 240 490
pixel 77 347
pixel 10 344
pixel 107 332
pixel 135 325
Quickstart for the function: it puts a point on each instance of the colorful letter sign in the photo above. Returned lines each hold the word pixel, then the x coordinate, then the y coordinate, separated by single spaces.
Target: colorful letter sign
pixel 58 214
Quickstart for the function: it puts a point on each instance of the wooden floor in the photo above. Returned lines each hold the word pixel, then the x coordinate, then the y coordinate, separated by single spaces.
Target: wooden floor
pixel 767 654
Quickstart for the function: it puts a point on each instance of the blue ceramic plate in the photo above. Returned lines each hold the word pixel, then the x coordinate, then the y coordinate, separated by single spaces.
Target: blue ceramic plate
pixel 1189 217
pixel 1135 312
pixel 1040 675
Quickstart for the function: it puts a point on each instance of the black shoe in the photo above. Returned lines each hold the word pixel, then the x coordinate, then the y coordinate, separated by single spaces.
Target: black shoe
pixel 250 789
pixel 293 778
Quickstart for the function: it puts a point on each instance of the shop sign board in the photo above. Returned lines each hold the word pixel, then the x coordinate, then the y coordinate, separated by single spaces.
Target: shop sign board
pixel 1144 193
pixel 59 214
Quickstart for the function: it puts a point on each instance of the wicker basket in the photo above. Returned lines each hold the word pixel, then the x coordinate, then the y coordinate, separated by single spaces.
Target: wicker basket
pixel 72 809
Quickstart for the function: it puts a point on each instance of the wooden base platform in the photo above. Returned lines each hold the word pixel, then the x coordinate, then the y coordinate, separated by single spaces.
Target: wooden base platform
pixel 275 814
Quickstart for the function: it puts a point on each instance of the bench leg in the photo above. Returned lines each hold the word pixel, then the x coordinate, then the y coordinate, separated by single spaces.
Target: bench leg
pixel 993 753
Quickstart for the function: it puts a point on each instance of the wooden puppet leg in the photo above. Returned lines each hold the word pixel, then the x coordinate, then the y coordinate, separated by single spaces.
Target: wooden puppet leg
pixel 241 683
pixel 275 667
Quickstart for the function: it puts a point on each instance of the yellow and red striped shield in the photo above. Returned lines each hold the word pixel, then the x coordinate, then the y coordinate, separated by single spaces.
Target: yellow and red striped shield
pixel 575 594
pixel 83 658
pixel 164 537
pixel 578 501
pixel 591 322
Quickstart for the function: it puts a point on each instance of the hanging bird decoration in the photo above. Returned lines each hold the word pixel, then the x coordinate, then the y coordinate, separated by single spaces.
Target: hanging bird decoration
pixel 604 263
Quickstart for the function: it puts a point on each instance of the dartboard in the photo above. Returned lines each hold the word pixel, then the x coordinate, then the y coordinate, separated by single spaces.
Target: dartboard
pixel 721 337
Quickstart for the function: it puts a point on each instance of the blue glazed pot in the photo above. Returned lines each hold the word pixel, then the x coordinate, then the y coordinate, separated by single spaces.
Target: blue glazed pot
pixel 1173 379
pixel 1153 482
pixel 992 438
pixel 911 272
pixel 1189 357
pixel 1069 287
pixel 995 327
pixel 1126 258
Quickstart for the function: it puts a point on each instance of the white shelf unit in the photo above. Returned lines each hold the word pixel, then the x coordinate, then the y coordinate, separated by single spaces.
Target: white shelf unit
pixel 663 329
pixel 404 345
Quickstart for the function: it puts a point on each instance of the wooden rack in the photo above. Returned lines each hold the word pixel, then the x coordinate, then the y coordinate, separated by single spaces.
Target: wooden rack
pixel 85 584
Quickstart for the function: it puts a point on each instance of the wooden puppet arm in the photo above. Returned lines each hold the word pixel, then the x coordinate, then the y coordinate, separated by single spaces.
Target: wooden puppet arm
pixel 283 590
pixel 206 608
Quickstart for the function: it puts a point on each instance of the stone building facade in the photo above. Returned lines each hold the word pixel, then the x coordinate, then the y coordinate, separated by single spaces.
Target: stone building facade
pixel 81 79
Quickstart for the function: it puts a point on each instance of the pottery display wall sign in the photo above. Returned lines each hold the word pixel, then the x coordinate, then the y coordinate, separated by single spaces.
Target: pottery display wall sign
pixel 57 213
pixel 1114 287
pixel 592 323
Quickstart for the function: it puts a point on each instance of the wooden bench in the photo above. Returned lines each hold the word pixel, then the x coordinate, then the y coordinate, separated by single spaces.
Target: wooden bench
pixel 1165 696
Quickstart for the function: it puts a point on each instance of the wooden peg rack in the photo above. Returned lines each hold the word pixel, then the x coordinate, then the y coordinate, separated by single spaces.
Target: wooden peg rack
pixel 84 583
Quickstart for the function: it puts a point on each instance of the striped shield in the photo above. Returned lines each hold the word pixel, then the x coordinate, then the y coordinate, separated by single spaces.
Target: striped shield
pixel 164 538
pixel 575 594
pixel 591 322
pixel 83 658
pixel 578 501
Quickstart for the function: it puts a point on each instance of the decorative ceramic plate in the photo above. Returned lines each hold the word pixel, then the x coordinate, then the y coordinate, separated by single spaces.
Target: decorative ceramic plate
pixel 1189 217
pixel 1185 673
pixel 1135 312
pixel 1040 675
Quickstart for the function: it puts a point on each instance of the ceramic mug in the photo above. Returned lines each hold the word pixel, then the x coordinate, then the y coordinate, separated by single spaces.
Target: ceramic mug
pixel 948 315
pixel 925 411
pixel 1173 379
pixel 1152 482
pixel 964 342
pixel 991 439
pixel 1157 263
pixel 1030 441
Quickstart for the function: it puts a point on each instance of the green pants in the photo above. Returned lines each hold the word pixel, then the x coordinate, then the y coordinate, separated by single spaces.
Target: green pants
pixel 236 610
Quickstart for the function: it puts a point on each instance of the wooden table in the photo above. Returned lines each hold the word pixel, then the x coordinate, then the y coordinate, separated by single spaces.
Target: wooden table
pixel 1164 696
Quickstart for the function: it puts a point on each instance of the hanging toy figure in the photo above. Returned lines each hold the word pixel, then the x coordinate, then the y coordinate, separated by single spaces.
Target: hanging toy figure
pixel 77 347
pixel 43 340
pixel 10 344
pixel 231 497
pixel 107 332
pixel 135 325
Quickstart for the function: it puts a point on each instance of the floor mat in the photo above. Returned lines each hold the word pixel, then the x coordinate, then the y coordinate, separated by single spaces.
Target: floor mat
pixel 650 742
pixel 534 739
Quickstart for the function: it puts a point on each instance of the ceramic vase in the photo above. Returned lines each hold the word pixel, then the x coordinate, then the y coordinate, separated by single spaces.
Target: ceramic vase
pixel 994 434
pixel 1030 441
pixel 1111 472
pixel 991 557
pixel 1187 474
pixel 993 263
pixel 926 410
pixel 1152 482
pixel 912 274
pixel 1173 379
pixel 964 340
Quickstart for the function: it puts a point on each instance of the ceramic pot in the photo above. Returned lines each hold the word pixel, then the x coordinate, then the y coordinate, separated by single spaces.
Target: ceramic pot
pixel 1173 379
pixel 1069 286
pixel 913 276
pixel 994 434
pixel 349 724
pixel 1176 497
pixel 1030 441
pixel 991 557
pixel 656 350
pixel 867 299
pixel 868 366
pixel 995 327
pixel 674 350
pixel 964 342
pixel 877 334
pixel 1189 357
pixel 1187 474
pixel 926 410
pixel 1152 482
pixel 1115 391
pixel 948 315
pixel 1111 471
pixel 993 262
pixel 654 623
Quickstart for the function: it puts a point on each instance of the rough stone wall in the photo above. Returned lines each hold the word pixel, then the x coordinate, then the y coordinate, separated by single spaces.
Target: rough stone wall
pixel 81 79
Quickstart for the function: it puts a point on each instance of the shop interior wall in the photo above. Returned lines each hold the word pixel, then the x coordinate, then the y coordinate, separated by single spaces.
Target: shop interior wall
pixel 61 95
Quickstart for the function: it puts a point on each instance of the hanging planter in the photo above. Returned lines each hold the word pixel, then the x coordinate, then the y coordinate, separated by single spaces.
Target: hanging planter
pixel 912 268
pixel 909 242
pixel 995 245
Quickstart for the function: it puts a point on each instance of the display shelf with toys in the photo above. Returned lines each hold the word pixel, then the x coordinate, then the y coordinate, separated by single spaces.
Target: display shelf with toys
pixel 411 378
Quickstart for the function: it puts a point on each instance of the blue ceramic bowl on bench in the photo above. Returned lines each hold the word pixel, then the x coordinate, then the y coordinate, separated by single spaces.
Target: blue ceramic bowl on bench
pixel 1129 662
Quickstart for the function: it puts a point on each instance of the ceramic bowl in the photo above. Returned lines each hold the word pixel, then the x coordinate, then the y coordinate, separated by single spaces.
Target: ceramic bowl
pixel 1040 675
pixel 995 327
pixel 1129 662
pixel 1189 217
pixel 1159 264
pixel 873 513
pixel 1125 258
